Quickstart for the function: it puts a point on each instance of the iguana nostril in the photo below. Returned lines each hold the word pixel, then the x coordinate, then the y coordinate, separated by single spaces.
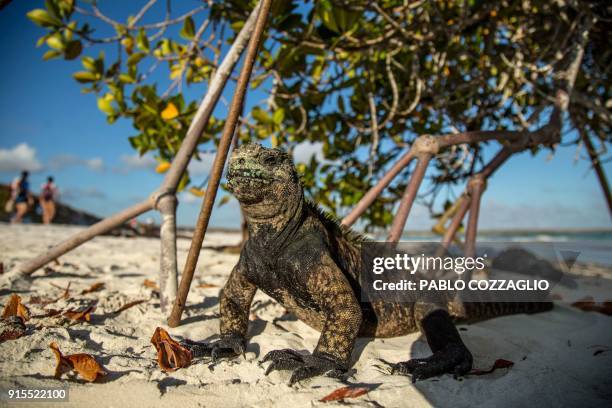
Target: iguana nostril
pixel 241 161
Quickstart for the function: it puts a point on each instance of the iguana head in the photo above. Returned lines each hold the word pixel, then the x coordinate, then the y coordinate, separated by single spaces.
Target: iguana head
pixel 263 180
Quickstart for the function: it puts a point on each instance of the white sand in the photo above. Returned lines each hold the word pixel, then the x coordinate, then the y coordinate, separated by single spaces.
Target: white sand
pixel 553 352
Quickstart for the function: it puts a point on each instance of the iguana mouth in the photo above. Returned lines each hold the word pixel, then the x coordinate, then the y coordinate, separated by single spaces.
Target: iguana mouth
pixel 250 175
pixel 247 180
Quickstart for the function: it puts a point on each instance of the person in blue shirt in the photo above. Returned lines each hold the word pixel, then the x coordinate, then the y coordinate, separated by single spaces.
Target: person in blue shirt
pixel 22 197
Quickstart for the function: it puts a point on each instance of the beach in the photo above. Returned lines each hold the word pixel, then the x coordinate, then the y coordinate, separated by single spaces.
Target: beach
pixel 561 358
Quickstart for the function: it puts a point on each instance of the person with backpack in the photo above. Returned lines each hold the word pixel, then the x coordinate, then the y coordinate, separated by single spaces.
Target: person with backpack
pixel 21 196
pixel 48 196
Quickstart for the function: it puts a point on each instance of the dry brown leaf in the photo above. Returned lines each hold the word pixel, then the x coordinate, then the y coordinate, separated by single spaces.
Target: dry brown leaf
pixel 84 364
pixel 93 288
pixel 14 308
pixel 128 305
pixel 150 284
pixel 170 354
pixel 49 313
pixel 37 300
pixel 499 363
pixel 80 314
pixel 11 328
pixel 66 290
pixel 205 285
pixel 588 304
pixel 345 392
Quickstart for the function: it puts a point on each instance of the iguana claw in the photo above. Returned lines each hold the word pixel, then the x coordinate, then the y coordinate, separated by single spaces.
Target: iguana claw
pixel 454 359
pixel 303 366
pixel 226 346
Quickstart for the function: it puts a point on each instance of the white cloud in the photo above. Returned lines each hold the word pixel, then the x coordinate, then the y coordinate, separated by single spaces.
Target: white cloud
pixel 62 161
pixel 303 152
pixel 137 162
pixel 197 168
pixel 96 164
pixel 19 158
pixel 201 167
pixel 188 198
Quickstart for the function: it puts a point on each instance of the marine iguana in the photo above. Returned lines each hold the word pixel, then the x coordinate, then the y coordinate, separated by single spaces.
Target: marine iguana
pixel 310 264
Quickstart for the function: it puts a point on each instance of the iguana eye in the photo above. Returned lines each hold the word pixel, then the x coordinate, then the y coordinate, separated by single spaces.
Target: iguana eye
pixel 270 160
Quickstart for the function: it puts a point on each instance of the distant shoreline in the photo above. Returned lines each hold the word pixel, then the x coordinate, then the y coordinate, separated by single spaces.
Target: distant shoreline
pixel 509 231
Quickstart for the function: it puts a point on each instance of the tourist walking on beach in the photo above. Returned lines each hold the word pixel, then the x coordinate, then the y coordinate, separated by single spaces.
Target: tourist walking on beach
pixel 48 196
pixel 21 196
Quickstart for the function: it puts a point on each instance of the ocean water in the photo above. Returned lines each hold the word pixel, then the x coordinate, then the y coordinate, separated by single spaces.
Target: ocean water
pixel 591 246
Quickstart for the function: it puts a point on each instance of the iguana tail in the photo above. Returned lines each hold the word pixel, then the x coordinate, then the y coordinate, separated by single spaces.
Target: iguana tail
pixel 477 311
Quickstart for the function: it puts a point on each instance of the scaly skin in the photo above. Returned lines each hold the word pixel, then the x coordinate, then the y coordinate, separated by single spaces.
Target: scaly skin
pixel 311 265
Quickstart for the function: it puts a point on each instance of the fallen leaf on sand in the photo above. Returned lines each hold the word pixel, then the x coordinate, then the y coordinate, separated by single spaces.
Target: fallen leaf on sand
pixel 93 288
pixel 499 363
pixel 80 314
pixel 14 308
pixel 66 290
pixel 150 284
pixel 205 285
pixel 49 313
pixel 11 328
pixel 128 305
pixel 345 392
pixel 587 304
pixel 82 363
pixel 170 354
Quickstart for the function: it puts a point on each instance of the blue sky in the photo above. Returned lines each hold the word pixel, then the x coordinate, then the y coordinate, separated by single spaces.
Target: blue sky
pixel 47 122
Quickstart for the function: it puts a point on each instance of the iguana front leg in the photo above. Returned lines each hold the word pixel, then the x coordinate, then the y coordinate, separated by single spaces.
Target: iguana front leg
pixel 450 355
pixel 334 297
pixel 235 303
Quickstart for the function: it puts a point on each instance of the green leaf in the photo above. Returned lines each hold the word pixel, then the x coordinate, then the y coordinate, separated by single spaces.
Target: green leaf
pixel 142 41
pixel 166 47
pixel 184 182
pixel 100 63
pixel 51 54
pixel 41 40
pixel 89 63
pixel 66 7
pixel 136 58
pixel 85 76
pixel 43 18
pixel 278 116
pixel 73 50
pixel 52 8
pixel 188 30
pixel 105 104
pixel 224 200
pixel 69 30
pixel 128 79
pixel 56 43
pixel 261 116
